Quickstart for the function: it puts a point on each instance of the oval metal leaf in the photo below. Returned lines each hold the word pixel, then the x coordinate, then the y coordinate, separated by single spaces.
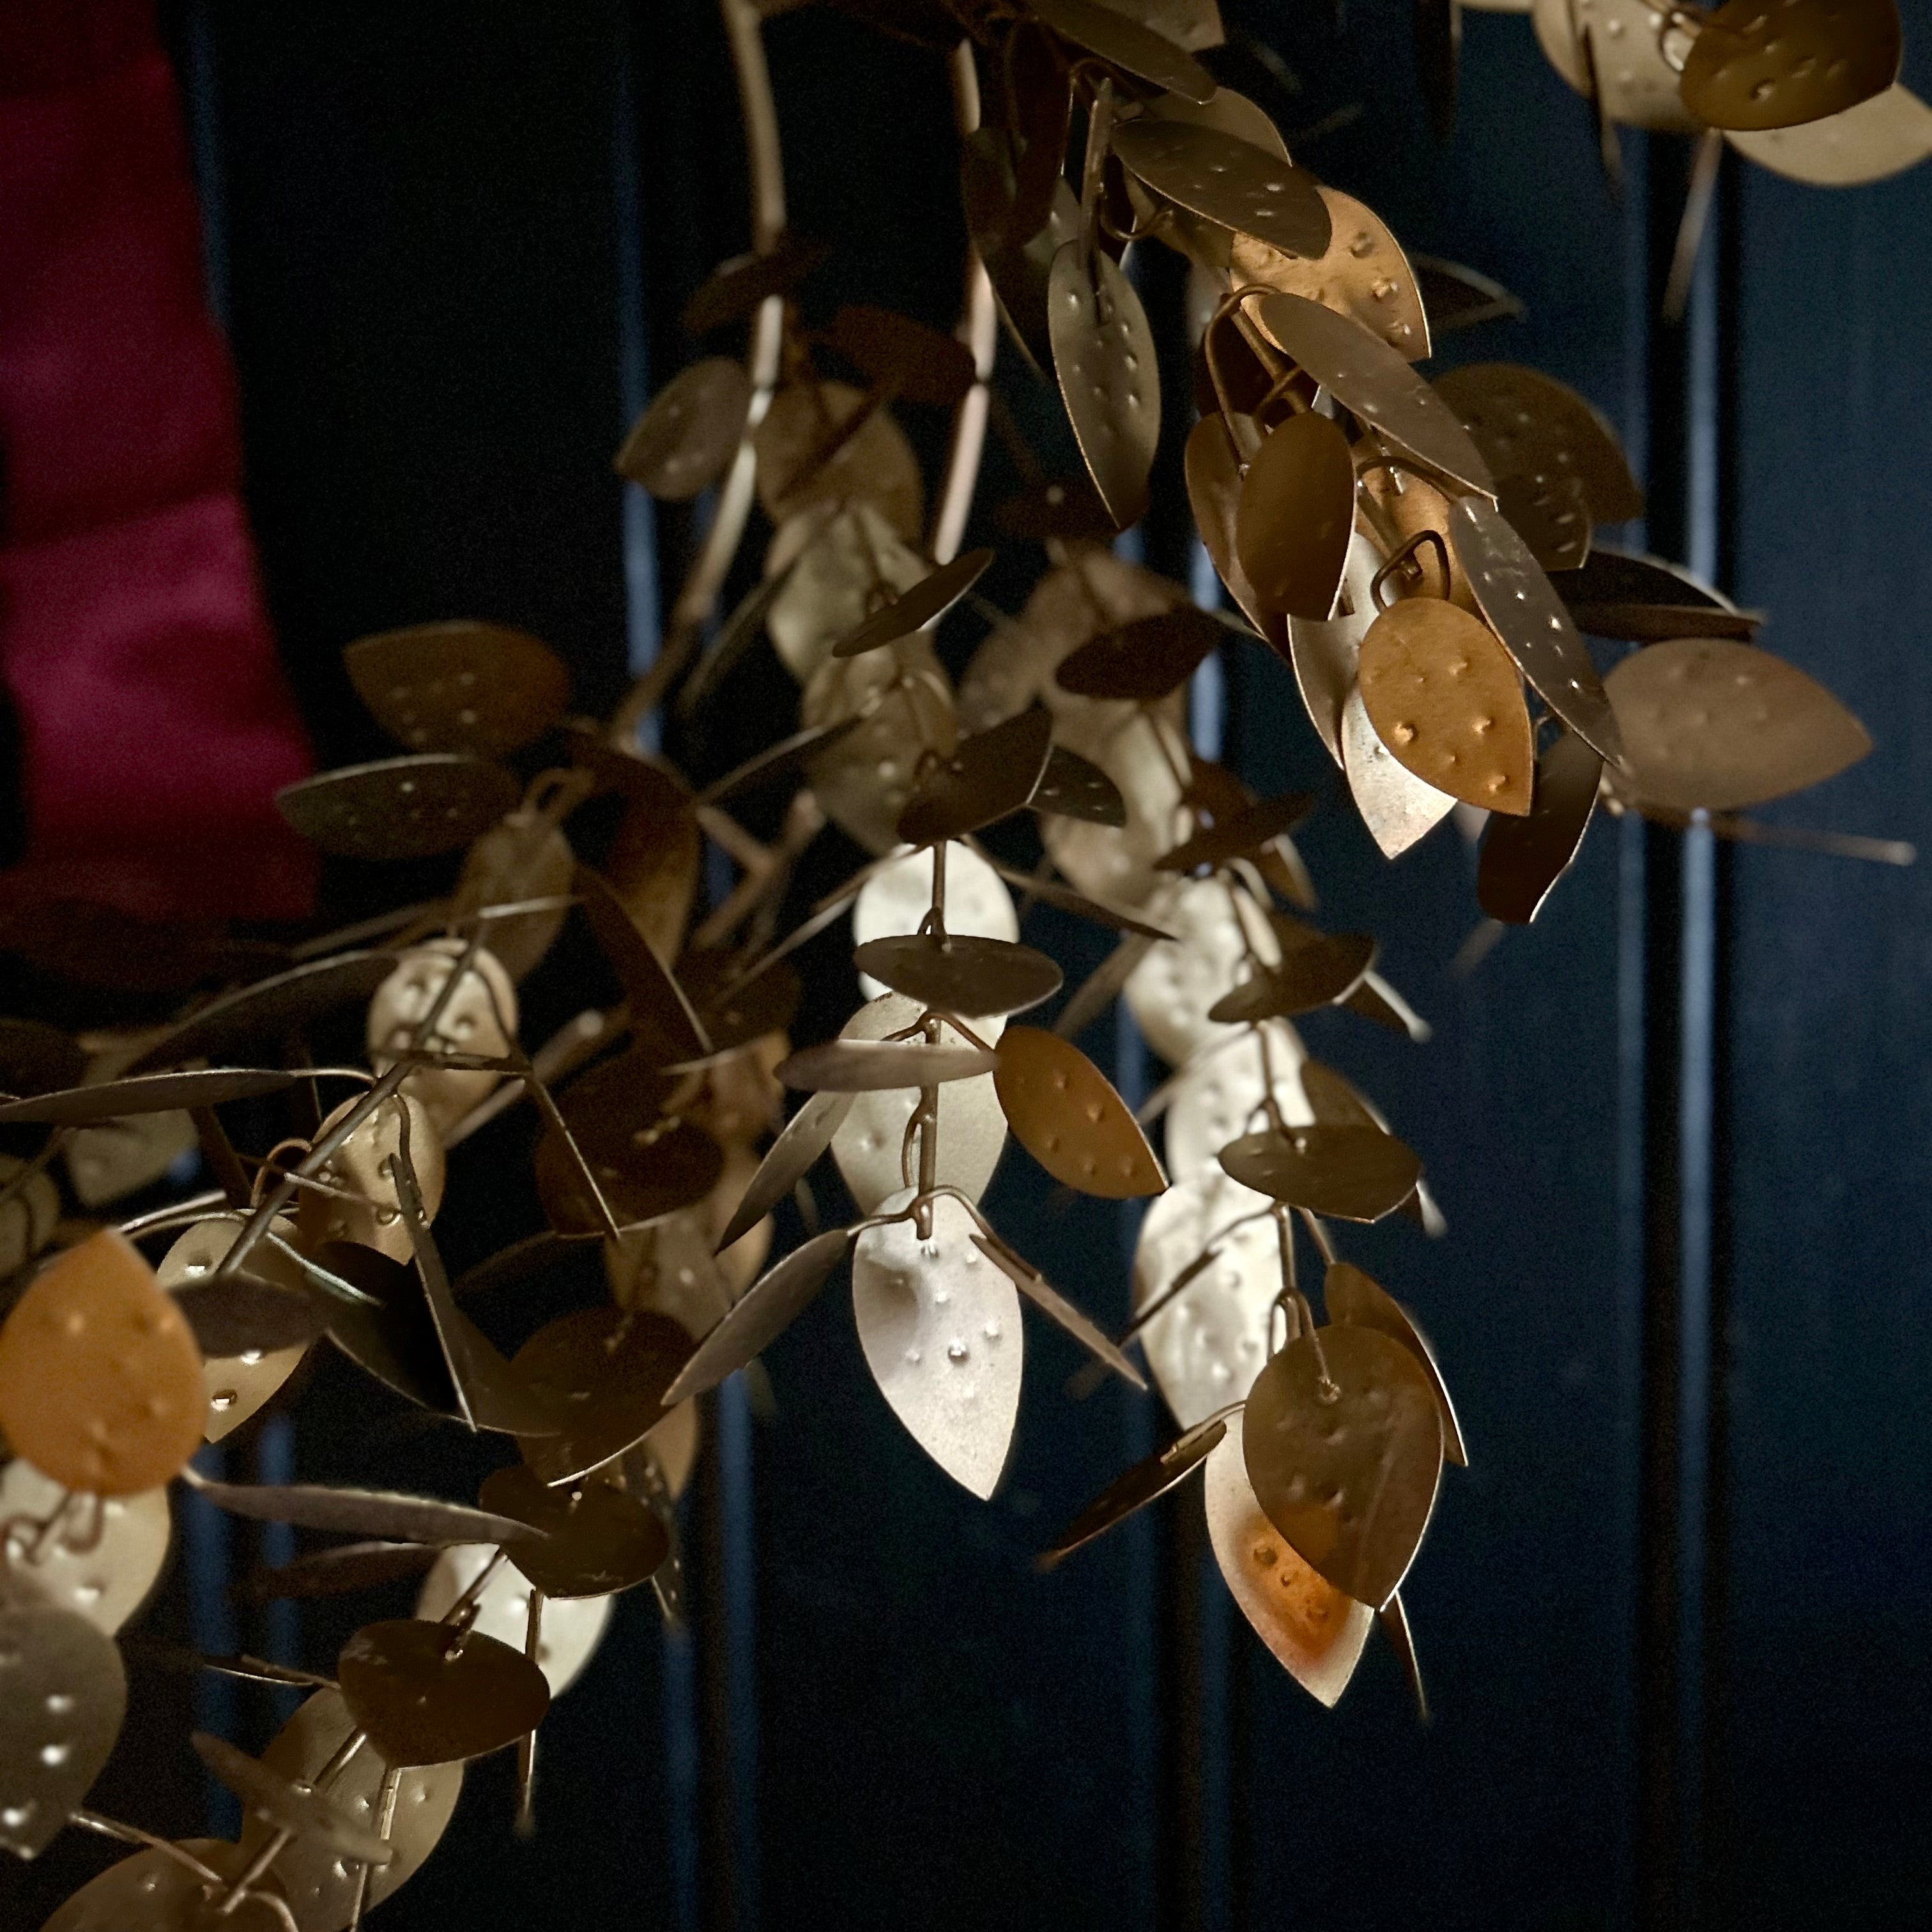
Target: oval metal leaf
pixel 661 1017
pixel 1524 611
pixel 1296 516
pixel 1240 835
pixel 572 1629
pixel 1316 969
pixel 1371 381
pixel 762 1314
pixel 1068 1117
pixel 1212 472
pixel 1708 722
pixel 146 1093
pixel 340 1567
pixel 894 352
pixel 1229 181
pixel 1127 44
pixel 460 686
pixel 1145 1483
pixel 426 1696
pixel 1352 1174
pixel 919 608
pixel 1355 1300
pixel 604 1371
pixel 961 974
pixel 940 1324
pixel 597 1540
pixel 409 807
pixel 272 1012
pixel 1755 66
pixel 868 1066
pixel 1523 858
pixel 1072 787
pixel 1104 360
pixel 1443 695
pixel 66 1695
pixel 1315 1631
pixel 989 774
pixel 1143 661
pixel 1342 1442
pixel 387 1514
pixel 100 1378
pixel 1526 423
pixel 690 431
pixel 806 1135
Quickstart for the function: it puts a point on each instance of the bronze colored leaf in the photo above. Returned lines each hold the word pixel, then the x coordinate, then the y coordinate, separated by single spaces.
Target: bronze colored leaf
pixel 806 1135
pixel 990 774
pixel 1296 514
pixel 1145 1483
pixel 1316 969
pixel 736 287
pixel 1526 423
pixel 1315 1631
pixel 604 1371
pixel 1362 272
pixel 1342 1441
pixel 869 1066
pixel 1228 180
pixel 894 352
pixel 410 807
pixel 1070 1120
pixel 1551 514
pixel 762 1314
pixel 1372 382
pixel 1529 617
pixel 387 1514
pixel 1072 787
pixel 596 1541
pixel 426 1695
pixel 940 1325
pixel 918 609
pixel 1523 858
pixel 341 1566
pixel 1755 66
pixel 1239 834
pixel 1213 471
pixel 1351 1173
pixel 66 1695
pixel 689 432
pixel 961 974
pixel 646 1166
pixel 1443 695
pixel 460 686
pixel 1128 44
pixel 1707 722
pixel 1143 661
pixel 1109 377
pixel 100 1378
pixel 145 1093
pixel 1353 1299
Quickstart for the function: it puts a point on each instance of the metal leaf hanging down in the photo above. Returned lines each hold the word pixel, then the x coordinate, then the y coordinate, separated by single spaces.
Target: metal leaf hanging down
pixel 1104 359
pixel 939 1323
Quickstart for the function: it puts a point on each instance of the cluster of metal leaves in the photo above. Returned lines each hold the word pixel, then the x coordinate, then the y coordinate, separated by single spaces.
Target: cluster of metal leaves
pixel 1425 559
pixel 1807 89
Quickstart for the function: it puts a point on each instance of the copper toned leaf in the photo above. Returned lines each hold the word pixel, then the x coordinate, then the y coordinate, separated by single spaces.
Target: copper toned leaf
pixel 1707 722
pixel 1104 357
pixel 1128 44
pixel 1443 695
pixel 961 974
pixel 1145 1483
pixel 1230 182
pixel 919 608
pixel 100 1378
pixel 666 1029
pixel 894 352
pixel 1523 858
pixel 990 774
pixel 867 1066
pixel 1342 1441
pixel 605 1372
pixel 1144 660
pixel 762 1314
pixel 1353 1299
pixel 689 432
pixel 595 1541
pixel 1068 1117
pixel 1296 514
pixel 1754 65
pixel 426 1695
pixel 1351 1173
pixel 1525 422
pixel 459 686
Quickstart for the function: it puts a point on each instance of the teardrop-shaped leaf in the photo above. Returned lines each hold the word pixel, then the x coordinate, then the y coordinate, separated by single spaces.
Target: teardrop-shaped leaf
pixel 1067 1116
pixel 762 1314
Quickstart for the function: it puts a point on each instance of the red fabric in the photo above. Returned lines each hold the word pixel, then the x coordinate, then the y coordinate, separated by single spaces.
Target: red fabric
pixel 156 723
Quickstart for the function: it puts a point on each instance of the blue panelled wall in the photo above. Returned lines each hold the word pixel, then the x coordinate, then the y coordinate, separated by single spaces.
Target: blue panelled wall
pixel 1673 1617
